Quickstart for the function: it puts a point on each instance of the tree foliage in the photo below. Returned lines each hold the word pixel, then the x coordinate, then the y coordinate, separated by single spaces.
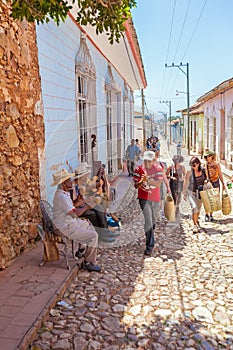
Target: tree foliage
pixel 106 15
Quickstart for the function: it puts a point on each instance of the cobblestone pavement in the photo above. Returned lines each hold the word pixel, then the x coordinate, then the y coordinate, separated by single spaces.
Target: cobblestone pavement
pixel 179 298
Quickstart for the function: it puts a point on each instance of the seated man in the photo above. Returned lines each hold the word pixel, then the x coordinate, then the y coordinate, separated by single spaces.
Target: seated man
pixel 66 220
pixel 88 204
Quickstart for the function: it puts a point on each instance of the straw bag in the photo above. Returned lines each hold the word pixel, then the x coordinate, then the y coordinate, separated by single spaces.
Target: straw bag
pixel 169 208
pixel 226 203
pixel 205 201
pixel 51 251
pixel 214 197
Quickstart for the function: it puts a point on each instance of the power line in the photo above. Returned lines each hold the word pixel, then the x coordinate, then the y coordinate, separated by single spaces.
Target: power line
pixel 182 29
pixel 189 43
pixel 169 43
pixel 178 44
pixel 195 28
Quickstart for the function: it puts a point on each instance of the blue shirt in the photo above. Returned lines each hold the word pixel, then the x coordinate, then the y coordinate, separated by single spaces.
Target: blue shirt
pixel 132 151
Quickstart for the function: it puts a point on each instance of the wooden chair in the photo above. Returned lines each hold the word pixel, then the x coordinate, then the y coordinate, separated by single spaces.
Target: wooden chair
pixel 53 233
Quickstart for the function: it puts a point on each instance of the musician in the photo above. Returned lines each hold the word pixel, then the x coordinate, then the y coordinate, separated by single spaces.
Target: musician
pixel 86 198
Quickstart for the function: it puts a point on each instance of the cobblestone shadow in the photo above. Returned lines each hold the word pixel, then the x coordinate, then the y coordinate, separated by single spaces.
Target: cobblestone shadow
pixel 180 298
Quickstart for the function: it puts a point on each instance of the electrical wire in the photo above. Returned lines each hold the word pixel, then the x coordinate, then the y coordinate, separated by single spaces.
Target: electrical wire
pixel 182 29
pixel 195 28
pixel 189 43
pixel 169 43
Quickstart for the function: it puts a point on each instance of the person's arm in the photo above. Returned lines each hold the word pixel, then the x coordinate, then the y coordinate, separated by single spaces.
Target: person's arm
pixel 220 175
pixel 183 173
pixel 139 183
pixel 76 212
pixel 168 172
pixel 165 179
pixel 186 182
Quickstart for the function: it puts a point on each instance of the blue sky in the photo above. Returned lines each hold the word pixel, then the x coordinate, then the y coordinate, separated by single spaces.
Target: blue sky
pixel 199 32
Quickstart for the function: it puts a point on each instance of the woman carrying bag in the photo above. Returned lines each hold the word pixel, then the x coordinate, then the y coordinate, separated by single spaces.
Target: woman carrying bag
pixel 176 174
pixel 214 175
pixel 193 184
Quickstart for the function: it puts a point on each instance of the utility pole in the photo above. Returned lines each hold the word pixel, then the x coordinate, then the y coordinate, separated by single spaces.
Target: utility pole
pixel 169 104
pixel 151 123
pixel 143 119
pixel 188 95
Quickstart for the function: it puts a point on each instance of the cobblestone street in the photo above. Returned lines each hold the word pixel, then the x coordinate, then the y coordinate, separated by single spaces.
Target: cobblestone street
pixel 179 298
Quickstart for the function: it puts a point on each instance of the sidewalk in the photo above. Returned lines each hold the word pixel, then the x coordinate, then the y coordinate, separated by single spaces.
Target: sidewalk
pixel 28 292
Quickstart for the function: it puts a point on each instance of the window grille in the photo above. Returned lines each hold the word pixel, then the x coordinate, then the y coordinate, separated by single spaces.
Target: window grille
pixel 85 100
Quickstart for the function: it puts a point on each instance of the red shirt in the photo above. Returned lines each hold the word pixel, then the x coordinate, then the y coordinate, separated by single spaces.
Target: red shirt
pixel 147 192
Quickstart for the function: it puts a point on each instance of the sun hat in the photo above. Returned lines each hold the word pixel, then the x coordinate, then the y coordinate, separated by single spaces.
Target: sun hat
pixel 61 176
pixel 81 170
pixel 209 153
pixel 148 155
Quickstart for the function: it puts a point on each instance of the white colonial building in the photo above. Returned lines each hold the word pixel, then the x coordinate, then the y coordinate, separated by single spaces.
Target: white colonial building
pixel 87 92
pixel 218 121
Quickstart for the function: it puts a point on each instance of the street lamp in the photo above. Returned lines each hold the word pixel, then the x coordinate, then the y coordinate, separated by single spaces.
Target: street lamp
pixel 180 92
pixel 168 103
pixel 187 77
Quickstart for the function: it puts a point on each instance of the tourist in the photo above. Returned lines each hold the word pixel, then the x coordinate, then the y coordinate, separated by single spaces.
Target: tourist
pixel 214 175
pixel 132 153
pixel 87 199
pixel 176 174
pixel 148 178
pixel 193 184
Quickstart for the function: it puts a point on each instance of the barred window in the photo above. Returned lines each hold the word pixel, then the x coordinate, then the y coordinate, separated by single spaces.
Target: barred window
pixel 85 100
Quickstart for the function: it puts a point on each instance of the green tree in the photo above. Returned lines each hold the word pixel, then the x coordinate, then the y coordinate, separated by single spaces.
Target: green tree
pixel 105 15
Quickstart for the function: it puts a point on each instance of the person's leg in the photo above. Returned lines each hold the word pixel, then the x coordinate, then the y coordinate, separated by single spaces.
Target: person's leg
pixel 82 231
pixel 155 213
pixel 195 204
pixel 91 215
pixel 100 215
pixel 148 223
pixel 132 168
pixel 128 167
pixel 105 234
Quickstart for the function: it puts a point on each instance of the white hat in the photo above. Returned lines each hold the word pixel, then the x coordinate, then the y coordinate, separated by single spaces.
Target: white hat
pixel 148 155
pixel 61 176
pixel 81 170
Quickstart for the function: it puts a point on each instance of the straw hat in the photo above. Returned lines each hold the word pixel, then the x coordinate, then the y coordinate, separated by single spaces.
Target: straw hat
pixel 61 176
pixel 81 170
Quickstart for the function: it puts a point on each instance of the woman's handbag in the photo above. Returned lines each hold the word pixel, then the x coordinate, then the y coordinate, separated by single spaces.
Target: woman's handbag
pixel 226 203
pixel 169 208
pixel 214 197
pixel 205 201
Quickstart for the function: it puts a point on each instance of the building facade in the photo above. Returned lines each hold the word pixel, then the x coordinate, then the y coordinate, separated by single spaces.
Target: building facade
pixel 218 121
pixel 87 90
pixel 61 88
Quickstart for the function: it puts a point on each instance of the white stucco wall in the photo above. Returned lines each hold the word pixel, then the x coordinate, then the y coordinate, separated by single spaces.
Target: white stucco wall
pixel 212 108
pixel 57 49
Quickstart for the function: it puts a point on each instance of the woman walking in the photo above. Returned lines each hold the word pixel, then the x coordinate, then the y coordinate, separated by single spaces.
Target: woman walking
pixel 193 184
pixel 214 175
pixel 176 174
